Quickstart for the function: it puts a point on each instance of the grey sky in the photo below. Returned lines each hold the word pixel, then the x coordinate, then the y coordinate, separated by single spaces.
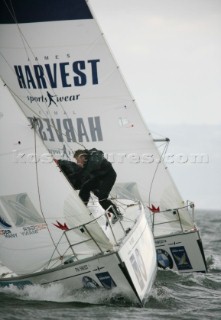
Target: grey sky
pixel 169 53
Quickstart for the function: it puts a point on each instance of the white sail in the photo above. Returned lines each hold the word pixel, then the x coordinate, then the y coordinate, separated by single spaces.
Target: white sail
pixel 35 198
pixel 60 71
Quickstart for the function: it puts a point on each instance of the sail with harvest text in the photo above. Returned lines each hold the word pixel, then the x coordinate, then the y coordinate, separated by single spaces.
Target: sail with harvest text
pixel 60 71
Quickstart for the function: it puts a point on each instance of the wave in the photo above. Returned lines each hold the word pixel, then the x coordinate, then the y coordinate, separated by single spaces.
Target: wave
pixel 57 293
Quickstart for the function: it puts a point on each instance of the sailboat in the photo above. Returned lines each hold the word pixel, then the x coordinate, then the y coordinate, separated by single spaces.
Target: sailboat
pixel 57 67
pixel 56 75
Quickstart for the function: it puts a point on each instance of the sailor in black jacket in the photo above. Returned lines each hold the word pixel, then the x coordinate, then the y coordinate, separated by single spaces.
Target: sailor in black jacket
pixel 98 176
pixel 92 173
pixel 72 171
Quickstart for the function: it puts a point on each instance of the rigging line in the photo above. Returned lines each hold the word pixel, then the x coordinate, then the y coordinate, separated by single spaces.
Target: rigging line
pixel 13 71
pixel 55 249
pixel 11 13
pixel 25 104
pixel 63 256
pixel 154 175
pixel 21 150
pixel 38 187
pixel 52 125
pixel 24 40
pixel 162 144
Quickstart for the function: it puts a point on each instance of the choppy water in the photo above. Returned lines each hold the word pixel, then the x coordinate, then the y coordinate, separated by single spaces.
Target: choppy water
pixel 174 296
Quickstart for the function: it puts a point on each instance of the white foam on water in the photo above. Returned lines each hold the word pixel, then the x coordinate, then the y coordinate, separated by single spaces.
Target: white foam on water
pixel 57 293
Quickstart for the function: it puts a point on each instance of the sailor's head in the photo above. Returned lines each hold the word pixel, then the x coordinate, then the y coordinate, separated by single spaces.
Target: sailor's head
pixel 81 157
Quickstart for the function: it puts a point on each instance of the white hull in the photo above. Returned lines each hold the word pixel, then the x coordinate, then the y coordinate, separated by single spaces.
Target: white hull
pixel 177 240
pixel 182 252
pixel 131 268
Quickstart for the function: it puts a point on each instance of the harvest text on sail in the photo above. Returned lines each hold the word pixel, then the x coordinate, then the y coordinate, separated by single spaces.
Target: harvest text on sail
pixel 49 75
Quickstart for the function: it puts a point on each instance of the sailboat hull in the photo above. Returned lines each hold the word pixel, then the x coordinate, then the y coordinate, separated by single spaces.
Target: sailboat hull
pixel 130 270
pixel 181 252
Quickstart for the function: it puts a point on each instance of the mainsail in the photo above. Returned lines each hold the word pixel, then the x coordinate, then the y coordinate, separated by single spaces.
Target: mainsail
pixel 61 72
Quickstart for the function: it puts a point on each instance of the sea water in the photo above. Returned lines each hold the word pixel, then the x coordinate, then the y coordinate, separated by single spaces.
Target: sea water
pixel 173 296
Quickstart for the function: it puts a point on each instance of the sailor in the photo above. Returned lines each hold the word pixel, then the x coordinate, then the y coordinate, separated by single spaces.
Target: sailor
pixel 98 176
pixel 72 171
pixel 92 173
